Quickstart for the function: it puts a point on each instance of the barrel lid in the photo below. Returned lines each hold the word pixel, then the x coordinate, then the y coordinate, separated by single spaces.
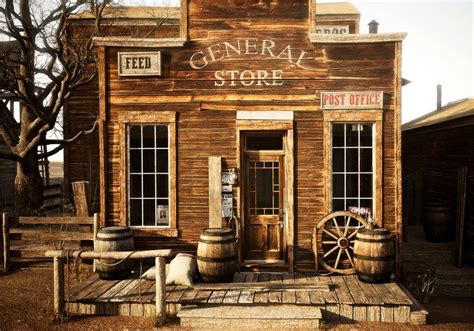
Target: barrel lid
pixel 115 229
pixel 375 231
pixel 217 231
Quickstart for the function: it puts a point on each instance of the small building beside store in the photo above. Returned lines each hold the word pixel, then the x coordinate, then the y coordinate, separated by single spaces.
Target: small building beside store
pixel 284 97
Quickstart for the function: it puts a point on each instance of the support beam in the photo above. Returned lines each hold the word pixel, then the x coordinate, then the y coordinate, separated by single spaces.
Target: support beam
pixel 160 284
pixel 89 255
pixel 215 192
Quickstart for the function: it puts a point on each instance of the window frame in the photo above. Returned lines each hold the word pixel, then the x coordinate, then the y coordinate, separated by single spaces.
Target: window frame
pixel 164 118
pixel 375 117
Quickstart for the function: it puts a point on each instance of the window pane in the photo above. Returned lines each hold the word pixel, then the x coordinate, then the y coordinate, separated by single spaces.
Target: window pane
pixel 351 203
pixel 366 185
pixel 352 162
pixel 149 186
pixel 366 159
pixel 149 212
pixel 161 160
pixel 135 212
pixel 135 186
pixel 148 160
pixel 338 160
pixel 148 136
pixel 367 203
pixel 135 136
pixel 161 136
pixel 366 135
pixel 135 161
pixel 352 134
pixel 338 186
pixel 352 186
pixel 338 135
pixel 270 142
pixel 162 186
pixel 264 188
pixel 338 204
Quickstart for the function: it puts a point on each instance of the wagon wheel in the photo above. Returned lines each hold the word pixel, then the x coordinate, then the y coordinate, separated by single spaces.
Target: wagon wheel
pixel 338 231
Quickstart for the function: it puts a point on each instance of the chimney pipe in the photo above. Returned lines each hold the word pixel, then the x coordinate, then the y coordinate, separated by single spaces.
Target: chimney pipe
pixel 438 96
pixel 373 26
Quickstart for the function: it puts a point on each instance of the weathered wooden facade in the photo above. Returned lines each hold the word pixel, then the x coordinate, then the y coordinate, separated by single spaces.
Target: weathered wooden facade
pixel 438 163
pixel 311 122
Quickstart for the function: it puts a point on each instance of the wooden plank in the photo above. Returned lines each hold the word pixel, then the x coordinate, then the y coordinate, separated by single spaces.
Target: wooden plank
pixel 80 191
pixel 45 234
pixel 387 313
pixel 202 297
pixel 81 220
pixel 231 297
pixel 460 215
pixel 177 294
pixel 246 296
pixel 273 295
pixel 355 290
pixel 316 297
pixel 188 296
pixel 217 297
pixel 386 295
pixel 5 242
pixel 122 294
pixel 143 288
pixel 99 288
pixel 401 314
pixel 82 285
pixel 342 292
pixel 329 297
pixel 261 296
pixel 288 297
pixel 215 192
pixel 399 294
pixel 109 295
pixel 261 286
pixel 371 294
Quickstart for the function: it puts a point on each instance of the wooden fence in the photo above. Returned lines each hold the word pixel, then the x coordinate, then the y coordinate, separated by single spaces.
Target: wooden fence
pixel 26 239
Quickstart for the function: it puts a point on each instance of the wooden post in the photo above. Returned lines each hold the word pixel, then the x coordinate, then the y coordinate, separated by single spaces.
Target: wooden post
pixel 215 192
pixel 6 242
pixel 58 267
pixel 460 215
pixel 160 266
pixel 81 198
pixel 94 231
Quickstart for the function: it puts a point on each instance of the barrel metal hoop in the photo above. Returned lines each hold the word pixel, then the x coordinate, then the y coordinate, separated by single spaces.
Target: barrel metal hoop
pixel 114 229
pixel 383 240
pixel 217 232
pixel 226 241
pixel 216 259
pixel 374 258
pixel 130 236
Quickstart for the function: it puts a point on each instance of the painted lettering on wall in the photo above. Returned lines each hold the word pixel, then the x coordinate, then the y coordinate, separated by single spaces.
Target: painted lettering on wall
pixel 264 48
pixel 352 100
pixel 139 63
pixel 332 29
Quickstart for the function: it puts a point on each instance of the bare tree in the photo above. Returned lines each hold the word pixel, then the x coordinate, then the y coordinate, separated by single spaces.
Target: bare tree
pixel 41 70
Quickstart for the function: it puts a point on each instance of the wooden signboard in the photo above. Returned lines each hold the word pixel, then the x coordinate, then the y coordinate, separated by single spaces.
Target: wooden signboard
pixel 352 100
pixel 139 63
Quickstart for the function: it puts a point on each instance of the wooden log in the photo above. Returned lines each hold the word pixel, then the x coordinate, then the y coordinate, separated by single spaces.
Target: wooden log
pixel 6 242
pixel 58 288
pixel 160 275
pixel 215 192
pixel 111 255
pixel 94 230
pixel 81 220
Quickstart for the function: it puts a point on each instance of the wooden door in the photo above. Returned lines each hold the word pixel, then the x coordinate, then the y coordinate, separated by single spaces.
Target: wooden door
pixel 264 224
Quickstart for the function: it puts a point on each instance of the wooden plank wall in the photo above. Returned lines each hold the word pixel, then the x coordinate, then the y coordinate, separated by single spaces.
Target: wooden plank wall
pixel 7 179
pixel 432 157
pixel 204 132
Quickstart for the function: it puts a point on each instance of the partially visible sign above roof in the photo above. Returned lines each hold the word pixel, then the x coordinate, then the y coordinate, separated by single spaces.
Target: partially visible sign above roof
pixel 352 100
pixel 139 63
pixel 332 29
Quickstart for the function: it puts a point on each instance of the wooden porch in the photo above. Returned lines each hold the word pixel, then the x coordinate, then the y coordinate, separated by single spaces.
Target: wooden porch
pixel 339 298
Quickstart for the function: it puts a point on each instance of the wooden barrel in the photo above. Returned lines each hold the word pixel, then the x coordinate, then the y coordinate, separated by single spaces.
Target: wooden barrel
pixel 438 221
pixel 109 239
pixel 216 255
pixel 374 255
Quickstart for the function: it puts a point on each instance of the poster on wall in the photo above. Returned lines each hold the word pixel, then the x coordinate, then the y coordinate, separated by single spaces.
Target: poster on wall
pixel 162 214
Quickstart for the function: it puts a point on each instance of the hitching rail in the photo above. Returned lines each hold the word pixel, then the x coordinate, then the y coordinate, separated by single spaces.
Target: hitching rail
pixel 58 268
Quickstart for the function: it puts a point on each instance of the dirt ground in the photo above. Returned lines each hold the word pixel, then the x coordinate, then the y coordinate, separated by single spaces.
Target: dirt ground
pixel 26 303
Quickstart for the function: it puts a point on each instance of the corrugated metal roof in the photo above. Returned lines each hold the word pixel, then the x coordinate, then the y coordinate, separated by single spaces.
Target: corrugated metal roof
pixel 453 110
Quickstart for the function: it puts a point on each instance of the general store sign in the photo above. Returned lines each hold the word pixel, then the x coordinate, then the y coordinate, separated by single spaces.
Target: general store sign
pixel 139 63
pixel 264 48
pixel 352 100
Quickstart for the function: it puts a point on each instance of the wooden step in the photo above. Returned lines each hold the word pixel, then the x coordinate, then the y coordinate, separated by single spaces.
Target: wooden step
pixel 250 317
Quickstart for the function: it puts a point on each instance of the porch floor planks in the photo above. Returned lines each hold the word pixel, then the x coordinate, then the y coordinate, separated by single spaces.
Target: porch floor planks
pixel 73 290
pixel 347 298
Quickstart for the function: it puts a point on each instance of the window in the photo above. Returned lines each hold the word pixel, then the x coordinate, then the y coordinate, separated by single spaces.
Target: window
pixel 148 175
pixel 352 175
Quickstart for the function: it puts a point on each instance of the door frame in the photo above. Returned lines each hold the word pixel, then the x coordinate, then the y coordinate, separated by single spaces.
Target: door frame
pixel 286 127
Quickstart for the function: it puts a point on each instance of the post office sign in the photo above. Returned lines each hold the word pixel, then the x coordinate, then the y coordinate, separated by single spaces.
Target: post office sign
pixel 332 29
pixel 352 100
pixel 139 63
